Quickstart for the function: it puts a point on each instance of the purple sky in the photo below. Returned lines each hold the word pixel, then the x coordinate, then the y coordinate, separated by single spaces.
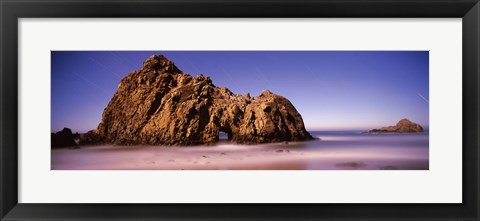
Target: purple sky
pixel 332 90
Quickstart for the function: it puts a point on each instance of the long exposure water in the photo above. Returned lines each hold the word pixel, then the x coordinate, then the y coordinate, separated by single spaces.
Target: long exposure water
pixel 333 150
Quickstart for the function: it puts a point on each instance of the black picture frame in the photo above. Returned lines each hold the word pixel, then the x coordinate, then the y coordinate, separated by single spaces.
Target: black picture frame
pixel 12 10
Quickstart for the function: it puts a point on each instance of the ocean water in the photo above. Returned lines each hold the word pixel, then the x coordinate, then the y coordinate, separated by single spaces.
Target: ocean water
pixel 359 150
pixel 333 150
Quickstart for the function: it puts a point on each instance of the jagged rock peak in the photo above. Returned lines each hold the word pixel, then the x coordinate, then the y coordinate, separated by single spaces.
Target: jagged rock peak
pixel 160 62
pixel 160 105
pixel 266 93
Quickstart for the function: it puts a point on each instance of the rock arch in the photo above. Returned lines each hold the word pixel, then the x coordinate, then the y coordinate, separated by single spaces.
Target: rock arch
pixel 161 105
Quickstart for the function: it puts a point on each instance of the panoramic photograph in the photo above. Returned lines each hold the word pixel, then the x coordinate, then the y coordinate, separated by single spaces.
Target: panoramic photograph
pixel 239 110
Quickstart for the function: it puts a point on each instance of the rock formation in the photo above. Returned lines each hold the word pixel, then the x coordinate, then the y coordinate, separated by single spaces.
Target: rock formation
pixel 403 126
pixel 161 105
pixel 63 138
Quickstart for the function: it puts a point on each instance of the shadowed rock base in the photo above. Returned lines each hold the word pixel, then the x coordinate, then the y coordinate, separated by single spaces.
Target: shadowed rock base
pixel 161 105
pixel 64 138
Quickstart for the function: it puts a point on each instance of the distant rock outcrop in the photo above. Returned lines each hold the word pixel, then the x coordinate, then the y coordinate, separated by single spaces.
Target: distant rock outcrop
pixel 403 126
pixel 161 105
pixel 63 138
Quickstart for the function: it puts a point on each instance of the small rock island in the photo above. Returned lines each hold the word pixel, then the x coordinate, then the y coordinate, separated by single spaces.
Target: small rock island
pixel 403 126
pixel 161 105
pixel 64 138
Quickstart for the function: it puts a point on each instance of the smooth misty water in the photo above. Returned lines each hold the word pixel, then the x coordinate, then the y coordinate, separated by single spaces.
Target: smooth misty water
pixel 340 150
pixel 367 151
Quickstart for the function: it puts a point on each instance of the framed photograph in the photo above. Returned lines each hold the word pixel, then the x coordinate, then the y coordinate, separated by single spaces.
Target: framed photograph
pixel 320 110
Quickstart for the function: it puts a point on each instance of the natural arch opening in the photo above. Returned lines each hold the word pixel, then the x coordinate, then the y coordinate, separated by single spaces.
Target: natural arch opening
pixel 224 135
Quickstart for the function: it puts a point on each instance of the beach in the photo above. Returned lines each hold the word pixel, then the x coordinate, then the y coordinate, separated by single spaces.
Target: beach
pixel 343 150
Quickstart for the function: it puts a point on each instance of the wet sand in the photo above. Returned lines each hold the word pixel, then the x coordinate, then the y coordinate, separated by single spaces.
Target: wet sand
pixel 228 156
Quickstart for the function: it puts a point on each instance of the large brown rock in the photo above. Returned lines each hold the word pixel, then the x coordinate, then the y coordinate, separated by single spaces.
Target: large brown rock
pixel 403 126
pixel 161 105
